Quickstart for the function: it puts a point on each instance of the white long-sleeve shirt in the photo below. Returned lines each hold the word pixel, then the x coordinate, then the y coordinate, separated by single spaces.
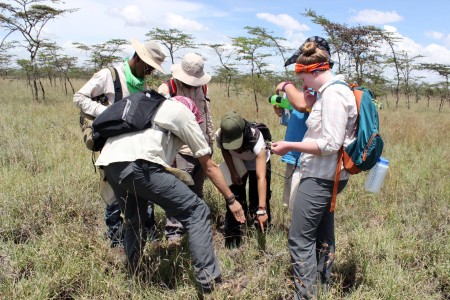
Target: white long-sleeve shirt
pixel 173 126
pixel 100 83
pixel 331 125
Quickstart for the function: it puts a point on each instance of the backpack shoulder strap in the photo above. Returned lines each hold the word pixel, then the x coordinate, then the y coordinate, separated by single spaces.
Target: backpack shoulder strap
pixel 337 173
pixel 117 86
pixel 172 87
pixel 205 91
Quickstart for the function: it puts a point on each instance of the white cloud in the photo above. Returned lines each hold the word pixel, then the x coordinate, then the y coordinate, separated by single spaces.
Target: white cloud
pixel 447 40
pixel 187 25
pixel 390 28
pixel 434 35
pixel 284 21
pixel 372 16
pixel 431 53
pixel 133 15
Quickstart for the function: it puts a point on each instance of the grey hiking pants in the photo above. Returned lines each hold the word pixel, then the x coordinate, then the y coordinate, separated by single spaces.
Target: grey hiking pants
pixel 311 235
pixel 134 184
pixel 174 229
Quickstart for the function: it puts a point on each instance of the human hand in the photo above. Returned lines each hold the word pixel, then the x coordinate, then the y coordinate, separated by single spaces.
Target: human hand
pixel 278 110
pixel 280 148
pixel 262 220
pixel 310 98
pixel 237 211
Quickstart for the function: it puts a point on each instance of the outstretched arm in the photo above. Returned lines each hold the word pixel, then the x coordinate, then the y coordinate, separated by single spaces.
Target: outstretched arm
pixel 213 172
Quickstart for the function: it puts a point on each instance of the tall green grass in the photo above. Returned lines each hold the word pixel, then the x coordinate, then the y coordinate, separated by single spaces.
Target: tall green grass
pixel 394 245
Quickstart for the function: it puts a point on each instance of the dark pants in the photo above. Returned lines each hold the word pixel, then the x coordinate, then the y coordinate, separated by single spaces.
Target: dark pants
pixel 234 229
pixel 174 229
pixel 134 184
pixel 114 221
pixel 311 235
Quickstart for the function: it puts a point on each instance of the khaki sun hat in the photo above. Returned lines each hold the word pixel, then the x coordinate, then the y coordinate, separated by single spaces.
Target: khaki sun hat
pixel 232 130
pixel 190 71
pixel 150 53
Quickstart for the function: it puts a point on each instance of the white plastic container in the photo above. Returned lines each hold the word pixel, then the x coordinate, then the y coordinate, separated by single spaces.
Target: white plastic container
pixel 376 176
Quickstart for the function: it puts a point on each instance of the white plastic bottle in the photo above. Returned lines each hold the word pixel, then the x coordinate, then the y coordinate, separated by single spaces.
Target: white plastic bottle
pixel 376 175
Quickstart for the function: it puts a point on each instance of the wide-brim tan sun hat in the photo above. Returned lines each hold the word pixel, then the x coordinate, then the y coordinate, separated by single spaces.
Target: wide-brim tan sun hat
pixel 191 70
pixel 150 53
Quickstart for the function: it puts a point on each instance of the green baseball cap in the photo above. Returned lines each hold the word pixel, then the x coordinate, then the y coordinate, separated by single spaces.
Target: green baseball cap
pixel 232 130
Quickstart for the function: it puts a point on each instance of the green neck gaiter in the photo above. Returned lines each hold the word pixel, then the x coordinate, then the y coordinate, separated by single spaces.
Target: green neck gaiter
pixel 134 84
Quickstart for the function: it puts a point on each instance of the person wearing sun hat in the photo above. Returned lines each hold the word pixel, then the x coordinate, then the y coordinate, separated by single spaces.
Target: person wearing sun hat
pixel 147 57
pixel 189 79
pixel 237 138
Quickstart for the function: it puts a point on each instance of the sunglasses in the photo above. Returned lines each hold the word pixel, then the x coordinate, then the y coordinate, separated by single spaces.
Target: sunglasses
pixel 148 68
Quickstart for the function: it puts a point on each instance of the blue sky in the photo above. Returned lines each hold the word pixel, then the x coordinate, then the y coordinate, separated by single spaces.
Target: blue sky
pixel 424 26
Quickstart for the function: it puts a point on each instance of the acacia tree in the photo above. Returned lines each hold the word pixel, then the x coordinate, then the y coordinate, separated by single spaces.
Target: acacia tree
pixel 331 29
pixel 172 39
pixel 406 67
pixel 58 64
pixel 104 54
pixel 248 49
pixel 6 57
pixel 444 71
pixel 356 47
pixel 392 40
pixel 273 41
pixel 226 69
pixel 28 18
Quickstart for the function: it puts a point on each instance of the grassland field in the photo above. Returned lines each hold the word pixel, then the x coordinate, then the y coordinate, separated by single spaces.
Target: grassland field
pixel 392 245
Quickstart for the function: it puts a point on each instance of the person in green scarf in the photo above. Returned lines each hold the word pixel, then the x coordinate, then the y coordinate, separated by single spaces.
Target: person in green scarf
pixel 131 73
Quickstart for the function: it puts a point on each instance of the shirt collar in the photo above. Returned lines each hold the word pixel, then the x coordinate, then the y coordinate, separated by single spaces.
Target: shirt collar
pixel 330 82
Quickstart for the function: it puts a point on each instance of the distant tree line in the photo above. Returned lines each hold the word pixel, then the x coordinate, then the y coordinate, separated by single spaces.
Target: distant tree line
pixel 243 64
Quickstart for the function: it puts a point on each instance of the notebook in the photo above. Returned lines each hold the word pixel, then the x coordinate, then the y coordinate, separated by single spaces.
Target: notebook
pixel 238 164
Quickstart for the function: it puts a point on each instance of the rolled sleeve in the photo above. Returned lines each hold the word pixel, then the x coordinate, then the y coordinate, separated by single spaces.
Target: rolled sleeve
pixel 183 124
pixel 100 83
pixel 334 122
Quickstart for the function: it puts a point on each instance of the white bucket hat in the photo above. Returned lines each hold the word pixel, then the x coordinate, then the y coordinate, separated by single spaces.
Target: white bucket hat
pixel 150 53
pixel 190 71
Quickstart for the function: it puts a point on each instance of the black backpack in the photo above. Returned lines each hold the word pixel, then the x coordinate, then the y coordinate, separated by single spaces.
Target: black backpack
pixel 129 114
pixel 87 120
pixel 265 131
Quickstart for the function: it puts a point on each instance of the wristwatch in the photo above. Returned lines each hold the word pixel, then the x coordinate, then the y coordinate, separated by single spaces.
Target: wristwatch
pixel 261 212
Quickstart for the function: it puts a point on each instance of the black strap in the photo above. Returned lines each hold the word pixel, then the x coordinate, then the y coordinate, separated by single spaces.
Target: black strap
pixel 117 86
